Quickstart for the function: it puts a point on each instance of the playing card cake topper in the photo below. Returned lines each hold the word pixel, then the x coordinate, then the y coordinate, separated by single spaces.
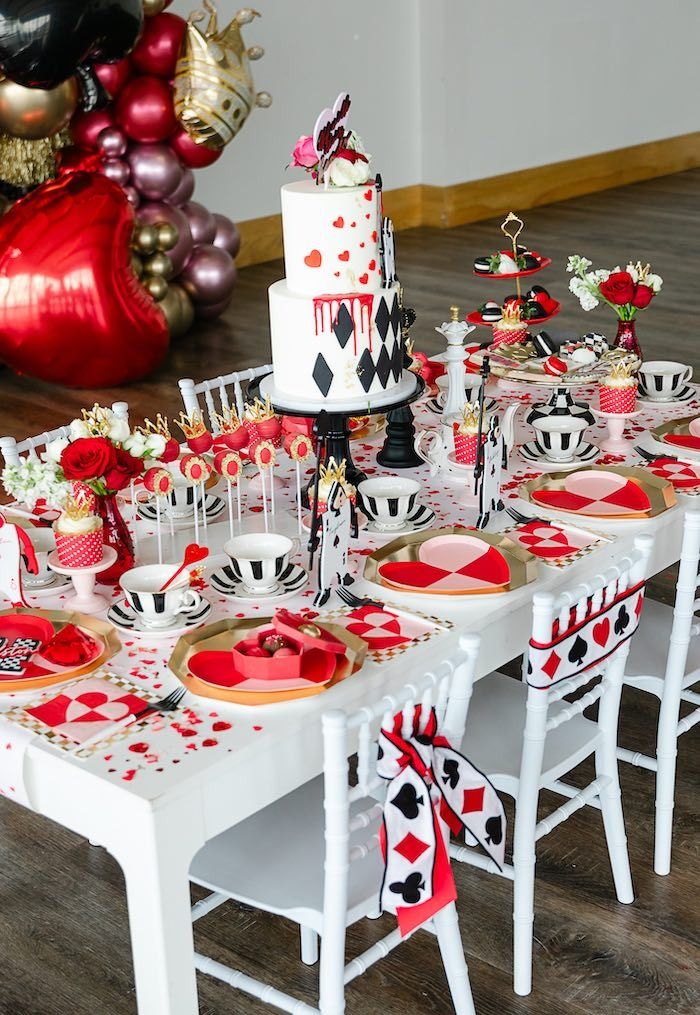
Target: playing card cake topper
pixel 331 131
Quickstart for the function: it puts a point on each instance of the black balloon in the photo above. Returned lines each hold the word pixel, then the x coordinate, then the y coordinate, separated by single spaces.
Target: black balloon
pixel 42 42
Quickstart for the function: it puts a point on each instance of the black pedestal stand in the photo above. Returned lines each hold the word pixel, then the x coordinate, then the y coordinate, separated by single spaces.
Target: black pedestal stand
pixel 398 451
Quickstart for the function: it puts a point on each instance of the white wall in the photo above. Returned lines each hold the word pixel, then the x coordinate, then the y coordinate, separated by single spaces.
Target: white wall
pixel 451 90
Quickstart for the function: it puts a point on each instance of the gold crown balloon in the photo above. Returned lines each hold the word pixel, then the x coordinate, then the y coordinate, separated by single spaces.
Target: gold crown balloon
pixel 214 90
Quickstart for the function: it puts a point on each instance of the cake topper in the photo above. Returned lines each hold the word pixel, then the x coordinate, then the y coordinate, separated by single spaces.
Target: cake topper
pixel 338 523
pixel 489 483
pixel 331 131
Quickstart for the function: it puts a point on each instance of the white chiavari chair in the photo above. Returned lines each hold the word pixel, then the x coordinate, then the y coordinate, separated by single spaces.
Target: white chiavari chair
pixel 12 450
pixel 665 661
pixel 277 861
pixel 526 739
pixel 219 386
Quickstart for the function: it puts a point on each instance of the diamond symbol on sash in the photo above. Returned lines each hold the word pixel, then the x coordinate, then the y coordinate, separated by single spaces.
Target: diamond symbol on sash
pixel 410 848
pixel 552 665
pixel 395 315
pixel 382 319
pixel 343 326
pixel 366 370
pixel 473 800
pixel 383 366
pixel 323 375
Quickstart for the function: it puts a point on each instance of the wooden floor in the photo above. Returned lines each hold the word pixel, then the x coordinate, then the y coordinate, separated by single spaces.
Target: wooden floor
pixel 63 921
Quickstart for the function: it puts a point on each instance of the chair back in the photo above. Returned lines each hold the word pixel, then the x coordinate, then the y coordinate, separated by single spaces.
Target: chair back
pixel 235 398
pixel 12 450
pixel 447 690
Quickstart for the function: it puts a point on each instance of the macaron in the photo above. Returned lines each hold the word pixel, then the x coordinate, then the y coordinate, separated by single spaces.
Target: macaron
pixel 483 265
pixel 554 366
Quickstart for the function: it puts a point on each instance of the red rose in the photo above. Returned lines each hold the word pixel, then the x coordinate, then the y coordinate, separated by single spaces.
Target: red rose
pixel 643 295
pixel 619 288
pixel 125 468
pixel 350 155
pixel 87 458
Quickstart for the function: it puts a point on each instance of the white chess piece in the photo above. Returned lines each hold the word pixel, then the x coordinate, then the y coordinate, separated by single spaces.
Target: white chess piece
pixel 455 331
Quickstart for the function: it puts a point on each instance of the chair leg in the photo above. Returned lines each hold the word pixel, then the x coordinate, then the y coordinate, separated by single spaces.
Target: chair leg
pixel 524 859
pixel 446 926
pixel 666 754
pixel 309 946
pixel 331 977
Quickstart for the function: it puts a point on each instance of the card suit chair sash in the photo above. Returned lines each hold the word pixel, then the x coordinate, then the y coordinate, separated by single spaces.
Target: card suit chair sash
pixel 526 737
pixel 665 661
pixel 315 856
pixel 190 393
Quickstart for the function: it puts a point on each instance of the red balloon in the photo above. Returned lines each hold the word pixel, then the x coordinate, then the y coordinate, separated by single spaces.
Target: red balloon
pixel 75 160
pixel 159 46
pixel 113 76
pixel 71 309
pixel 87 127
pixel 196 156
pixel 145 110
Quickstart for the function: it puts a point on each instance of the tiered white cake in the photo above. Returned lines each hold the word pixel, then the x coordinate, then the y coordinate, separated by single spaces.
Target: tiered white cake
pixel 335 325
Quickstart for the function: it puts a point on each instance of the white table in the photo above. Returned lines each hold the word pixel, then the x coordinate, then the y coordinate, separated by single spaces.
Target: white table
pixel 154 824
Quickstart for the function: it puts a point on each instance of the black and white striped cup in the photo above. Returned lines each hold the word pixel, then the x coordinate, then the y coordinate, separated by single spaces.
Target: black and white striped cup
pixel 180 500
pixel 259 558
pixel 388 500
pixel 559 437
pixel 158 609
pixel 663 380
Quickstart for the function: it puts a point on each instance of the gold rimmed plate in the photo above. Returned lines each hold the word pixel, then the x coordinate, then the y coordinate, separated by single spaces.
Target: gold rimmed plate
pixel 451 561
pixel 612 493
pixel 679 437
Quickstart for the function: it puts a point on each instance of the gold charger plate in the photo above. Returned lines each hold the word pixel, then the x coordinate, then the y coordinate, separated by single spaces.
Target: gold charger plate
pixel 60 619
pixel 659 491
pixel 673 426
pixel 223 635
pixel 521 563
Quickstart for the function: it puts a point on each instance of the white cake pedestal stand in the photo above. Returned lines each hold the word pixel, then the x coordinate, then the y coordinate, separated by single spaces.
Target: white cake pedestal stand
pixel 85 599
pixel 615 442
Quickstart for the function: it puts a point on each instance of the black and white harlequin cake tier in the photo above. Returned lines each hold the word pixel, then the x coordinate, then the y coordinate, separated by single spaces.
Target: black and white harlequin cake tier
pixel 336 348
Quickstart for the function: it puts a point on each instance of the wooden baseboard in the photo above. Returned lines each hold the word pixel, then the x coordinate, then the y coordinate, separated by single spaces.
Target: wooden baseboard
pixel 444 207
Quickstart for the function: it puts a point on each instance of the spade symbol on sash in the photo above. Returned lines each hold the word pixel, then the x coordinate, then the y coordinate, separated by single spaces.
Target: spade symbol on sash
pixel 578 651
pixel 408 801
pixel 450 772
pixel 410 889
pixel 494 830
pixel 623 619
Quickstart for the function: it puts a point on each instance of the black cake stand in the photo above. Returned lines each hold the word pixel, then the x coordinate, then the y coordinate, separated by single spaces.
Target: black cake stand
pixel 337 427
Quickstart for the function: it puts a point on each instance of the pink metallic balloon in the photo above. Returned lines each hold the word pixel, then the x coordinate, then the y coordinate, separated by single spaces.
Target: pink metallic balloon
pixel 112 143
pixel 201 220
pixel 210 275
pixel 210 311
pixel 161 212
pixel 227 236
pixel 185 190
pixel 155 171
pixel 117 170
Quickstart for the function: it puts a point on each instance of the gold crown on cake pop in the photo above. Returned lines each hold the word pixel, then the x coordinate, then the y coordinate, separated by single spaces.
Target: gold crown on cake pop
pixel 470 417
pixel 227 420
pixel 257 411
pixel 160 427
pixel 78 506
pixel 192 424
pixel 96 421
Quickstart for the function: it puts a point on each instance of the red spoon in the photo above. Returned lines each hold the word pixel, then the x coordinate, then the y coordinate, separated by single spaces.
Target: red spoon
pixel 193 554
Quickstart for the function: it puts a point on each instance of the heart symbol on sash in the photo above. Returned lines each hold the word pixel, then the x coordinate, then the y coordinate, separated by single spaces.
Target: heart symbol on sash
pixel 313 259
pixel 601 632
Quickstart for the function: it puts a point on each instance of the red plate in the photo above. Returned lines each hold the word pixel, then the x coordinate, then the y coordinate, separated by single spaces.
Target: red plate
pixel 680 440
pixel 218 669
pixel 21 637
pixel 476 318
pixel 544 263
pixel 680 474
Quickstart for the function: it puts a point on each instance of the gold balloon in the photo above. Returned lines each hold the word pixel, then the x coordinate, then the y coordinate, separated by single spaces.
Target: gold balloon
pixel 137 265
pixel 158 264
pixel 214 89
pixel 146 239
pixel 153 7
pixel 35 113
pixel 178 310
pixel 156 286
pixel 168 235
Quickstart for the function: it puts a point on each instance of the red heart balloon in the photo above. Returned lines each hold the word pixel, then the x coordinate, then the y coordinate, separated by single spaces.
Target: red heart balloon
pixel 71 309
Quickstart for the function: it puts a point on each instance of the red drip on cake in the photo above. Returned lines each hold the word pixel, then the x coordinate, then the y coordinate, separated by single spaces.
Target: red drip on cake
pixel 358 305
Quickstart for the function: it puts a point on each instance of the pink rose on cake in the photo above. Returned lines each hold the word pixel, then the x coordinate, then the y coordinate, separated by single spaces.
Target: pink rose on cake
pixel 304 154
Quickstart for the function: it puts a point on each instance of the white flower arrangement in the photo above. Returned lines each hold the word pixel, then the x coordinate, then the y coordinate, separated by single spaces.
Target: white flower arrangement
pixel 33 480
pixel 626 290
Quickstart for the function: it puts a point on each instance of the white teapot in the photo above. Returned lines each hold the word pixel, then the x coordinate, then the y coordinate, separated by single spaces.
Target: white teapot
pixel 430 446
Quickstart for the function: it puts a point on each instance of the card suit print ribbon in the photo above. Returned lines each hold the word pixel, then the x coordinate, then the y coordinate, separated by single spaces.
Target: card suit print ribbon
pixel 682 475
pixel 451 563
pixel 595 493
pixel 432 790
pixel 587 643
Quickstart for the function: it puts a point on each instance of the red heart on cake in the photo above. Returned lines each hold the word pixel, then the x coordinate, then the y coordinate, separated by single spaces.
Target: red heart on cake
pixel 339 222
pixel 374 236
pixel 345 256
pixel 601 632
pixel 368 195
pixel 363 279
pixel 313 259
pixel 71 309
pixel 372 265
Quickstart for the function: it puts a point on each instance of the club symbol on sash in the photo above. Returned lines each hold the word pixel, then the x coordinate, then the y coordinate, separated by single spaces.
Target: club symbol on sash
pixel 410 889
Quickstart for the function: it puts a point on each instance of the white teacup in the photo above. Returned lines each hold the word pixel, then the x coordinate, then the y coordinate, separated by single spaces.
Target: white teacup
pixel 559 436
pixel 471 388
pixel 43 541
pixel 180 501
pixel 663 380
pixel 389 499
pixel 259 559
pixel 158 609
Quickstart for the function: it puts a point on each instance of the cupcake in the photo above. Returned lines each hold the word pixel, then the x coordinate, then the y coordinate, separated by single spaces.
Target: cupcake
pixel 618 392
pixel 329 474
pixel 78 535
pixel 511 328
pixel 466 434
